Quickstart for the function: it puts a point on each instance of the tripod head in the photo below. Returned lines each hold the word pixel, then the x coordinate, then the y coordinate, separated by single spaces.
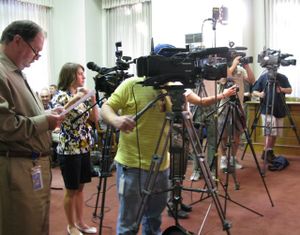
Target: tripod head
pixel 176 93
pixel 272 75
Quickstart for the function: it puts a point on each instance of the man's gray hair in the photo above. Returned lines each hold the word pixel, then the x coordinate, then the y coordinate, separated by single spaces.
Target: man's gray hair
pixel 25 28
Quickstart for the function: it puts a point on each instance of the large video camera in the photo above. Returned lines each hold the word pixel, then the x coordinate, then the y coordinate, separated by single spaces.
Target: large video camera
pixel 274 58
pixel 182 66
pixel 237 51
pixel 108 79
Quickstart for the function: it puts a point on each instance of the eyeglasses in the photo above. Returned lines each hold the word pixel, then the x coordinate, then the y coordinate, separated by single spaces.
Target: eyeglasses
pixel 37 55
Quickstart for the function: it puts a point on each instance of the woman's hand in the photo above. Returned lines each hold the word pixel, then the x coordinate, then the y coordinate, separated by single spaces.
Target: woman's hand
pixel 230 91
pixel 81 91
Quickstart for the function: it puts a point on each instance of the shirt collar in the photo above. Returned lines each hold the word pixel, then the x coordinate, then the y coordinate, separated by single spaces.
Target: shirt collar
pixel 8 63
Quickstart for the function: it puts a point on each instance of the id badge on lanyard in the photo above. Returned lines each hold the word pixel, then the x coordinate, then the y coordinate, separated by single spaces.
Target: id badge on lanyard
pixel 36 175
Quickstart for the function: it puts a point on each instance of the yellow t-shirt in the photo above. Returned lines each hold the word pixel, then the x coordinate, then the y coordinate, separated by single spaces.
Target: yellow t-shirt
pixel 128 99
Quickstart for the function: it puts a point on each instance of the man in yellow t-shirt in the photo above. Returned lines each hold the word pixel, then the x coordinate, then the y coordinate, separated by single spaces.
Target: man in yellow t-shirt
pixel 137 144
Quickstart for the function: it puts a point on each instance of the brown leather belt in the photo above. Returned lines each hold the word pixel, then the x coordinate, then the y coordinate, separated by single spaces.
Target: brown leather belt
pixel 24 154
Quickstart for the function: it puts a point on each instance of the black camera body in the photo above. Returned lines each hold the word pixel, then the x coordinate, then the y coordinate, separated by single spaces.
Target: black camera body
pixel 274 58
pixel 246 60
pixel 184 67
pixel 243 60
pixel 237 51
pixel 108 79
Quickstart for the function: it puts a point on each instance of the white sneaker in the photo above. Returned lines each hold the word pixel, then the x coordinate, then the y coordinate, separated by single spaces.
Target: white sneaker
pixel 195 175
pixel 234 162
pixel 86 229
pixel 223 162
pixel 73 230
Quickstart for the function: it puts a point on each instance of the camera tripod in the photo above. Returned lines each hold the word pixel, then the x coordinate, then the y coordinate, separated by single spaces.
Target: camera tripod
pixel 184 118
pixel 203 118
pixel 267 104
pixel 234 116
pixel 199 118
pixel 105 171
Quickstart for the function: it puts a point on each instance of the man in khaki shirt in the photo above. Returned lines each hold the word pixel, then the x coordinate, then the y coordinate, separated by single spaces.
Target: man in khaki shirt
pixel 25 140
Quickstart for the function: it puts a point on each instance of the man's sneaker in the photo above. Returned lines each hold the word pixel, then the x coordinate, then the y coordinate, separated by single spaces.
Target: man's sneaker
pixel 223 162
pixel 234 162
pixel 195 175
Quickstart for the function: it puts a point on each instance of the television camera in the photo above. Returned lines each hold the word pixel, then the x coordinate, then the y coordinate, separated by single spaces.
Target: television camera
pixel 237 51
pixel 182 66
pixel 108 79
pixel 274 58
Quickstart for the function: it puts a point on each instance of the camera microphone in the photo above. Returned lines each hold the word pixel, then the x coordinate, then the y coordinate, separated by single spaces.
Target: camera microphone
pixel 94 67
pixel 283 56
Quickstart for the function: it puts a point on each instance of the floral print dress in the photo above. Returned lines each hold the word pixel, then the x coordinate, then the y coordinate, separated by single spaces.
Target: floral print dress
pixel 75 133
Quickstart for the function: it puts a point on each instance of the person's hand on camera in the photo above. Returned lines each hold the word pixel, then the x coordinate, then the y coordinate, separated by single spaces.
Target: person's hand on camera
pixel 233 66
pixel 230 91
pixel 236 61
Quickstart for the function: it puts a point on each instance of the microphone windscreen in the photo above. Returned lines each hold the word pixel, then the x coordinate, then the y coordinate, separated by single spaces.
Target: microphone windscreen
pixel 92 66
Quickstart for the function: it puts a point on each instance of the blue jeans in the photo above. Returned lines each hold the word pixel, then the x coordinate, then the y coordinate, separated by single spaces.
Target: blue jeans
pixel 130 182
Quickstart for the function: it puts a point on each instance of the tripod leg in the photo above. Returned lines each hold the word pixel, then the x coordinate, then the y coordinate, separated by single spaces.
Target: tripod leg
pixel 152 176
pixel 253 126
pixel 257 165
pixel 209 181
pixel 292 123
pixel 104 163
pixel 230 160
pixel 249 142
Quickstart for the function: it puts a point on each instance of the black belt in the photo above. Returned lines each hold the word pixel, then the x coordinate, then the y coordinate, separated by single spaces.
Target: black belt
pixel 25 154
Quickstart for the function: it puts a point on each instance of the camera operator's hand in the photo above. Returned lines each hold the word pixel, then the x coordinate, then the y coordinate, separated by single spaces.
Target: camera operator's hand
pixel 124 123
pixel 230 91
pixel 233 66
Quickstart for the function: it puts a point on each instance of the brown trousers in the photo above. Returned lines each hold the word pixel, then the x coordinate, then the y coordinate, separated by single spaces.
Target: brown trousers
pixel 23 210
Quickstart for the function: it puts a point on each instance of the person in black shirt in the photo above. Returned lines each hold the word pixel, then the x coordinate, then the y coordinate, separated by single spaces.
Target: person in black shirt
pixel 263 88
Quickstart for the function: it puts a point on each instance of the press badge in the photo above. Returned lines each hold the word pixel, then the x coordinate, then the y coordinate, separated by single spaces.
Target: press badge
pixel 36 175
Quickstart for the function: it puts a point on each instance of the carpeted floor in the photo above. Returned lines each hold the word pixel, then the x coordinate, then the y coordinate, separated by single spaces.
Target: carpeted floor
pixel 249 210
